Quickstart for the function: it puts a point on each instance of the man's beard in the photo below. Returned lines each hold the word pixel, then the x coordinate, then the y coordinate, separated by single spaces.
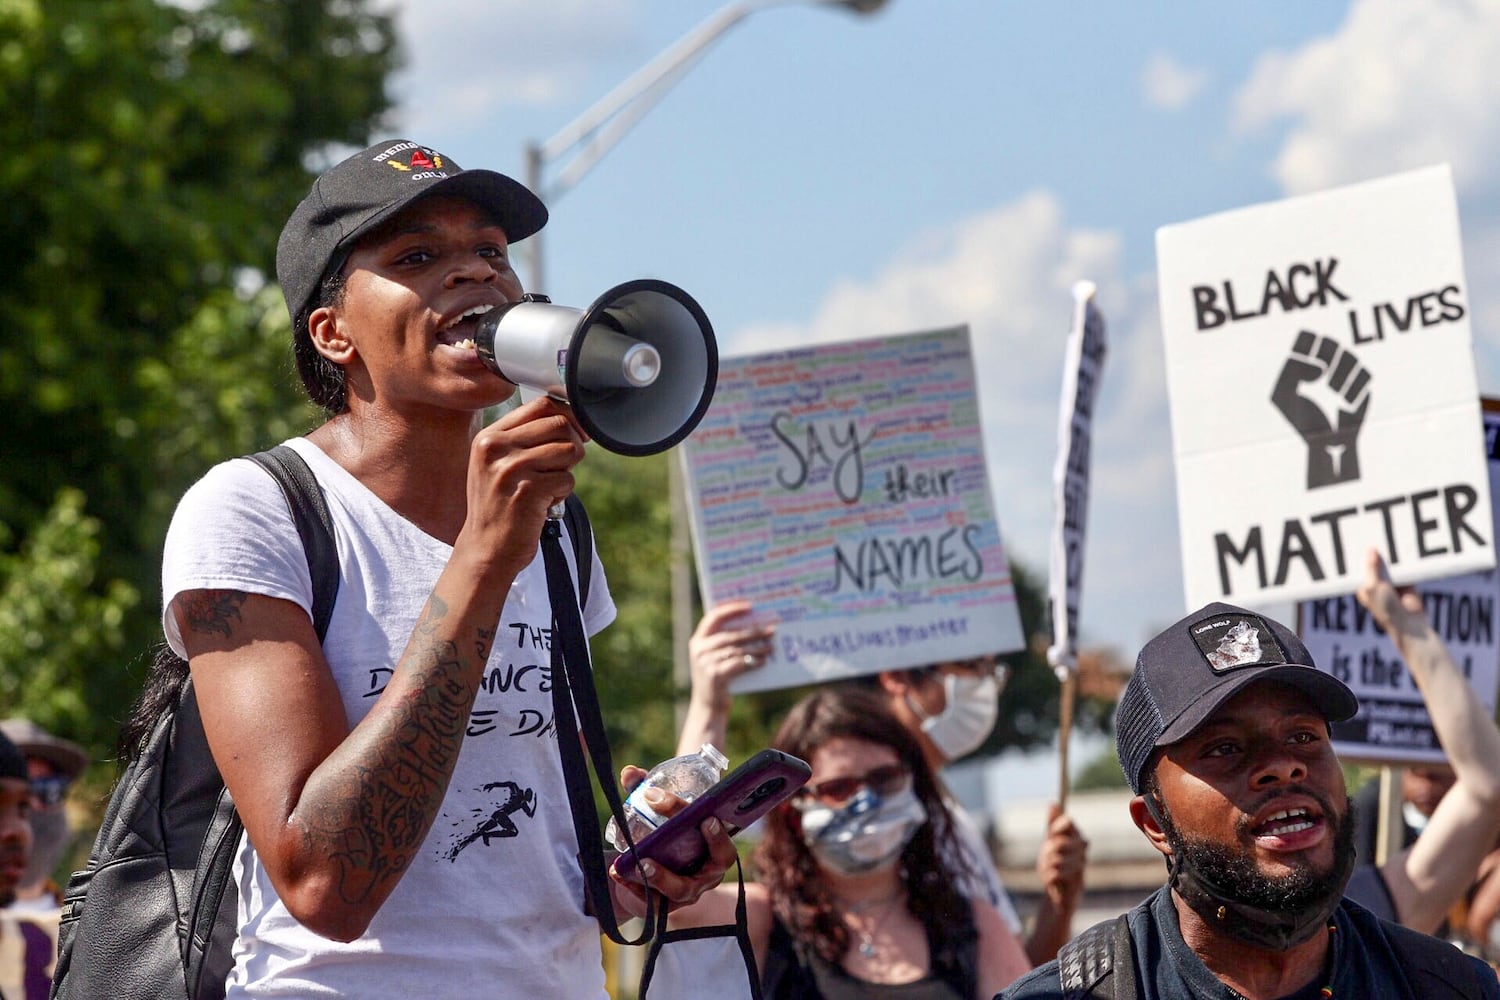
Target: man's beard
pixel 1225 887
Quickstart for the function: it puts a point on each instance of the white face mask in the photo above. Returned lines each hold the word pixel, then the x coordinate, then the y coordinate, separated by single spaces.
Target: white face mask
pixel 973 704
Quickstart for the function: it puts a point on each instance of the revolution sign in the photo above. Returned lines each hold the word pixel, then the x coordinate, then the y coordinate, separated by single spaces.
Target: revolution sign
pixel 842 490
pixel 1320 374
pixel 1392 725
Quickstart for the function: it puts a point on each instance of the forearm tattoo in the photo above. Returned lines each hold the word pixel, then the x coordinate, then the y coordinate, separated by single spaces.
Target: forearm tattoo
pixel 213 612
pixel 399 797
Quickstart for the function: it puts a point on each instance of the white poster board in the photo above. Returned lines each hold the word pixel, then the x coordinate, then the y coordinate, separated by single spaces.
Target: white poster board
pixel 842 490
pixel 1392 725
pixel 1320 374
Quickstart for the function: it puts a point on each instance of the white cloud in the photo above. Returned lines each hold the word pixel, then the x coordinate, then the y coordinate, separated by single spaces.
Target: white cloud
pixel 529 53
pixel 1398 85
pixel 1008 274
pixel 1169 85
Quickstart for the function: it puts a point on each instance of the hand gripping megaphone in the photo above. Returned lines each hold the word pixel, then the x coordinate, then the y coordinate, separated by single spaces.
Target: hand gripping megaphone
pixel 638 366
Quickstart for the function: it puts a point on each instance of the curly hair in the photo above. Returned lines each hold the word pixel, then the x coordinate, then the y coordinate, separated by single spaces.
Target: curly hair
pixel 323 380
pixel 931 865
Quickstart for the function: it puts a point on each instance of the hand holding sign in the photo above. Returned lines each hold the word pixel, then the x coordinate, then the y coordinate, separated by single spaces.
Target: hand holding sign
pixel 1319 367
pixel 728 642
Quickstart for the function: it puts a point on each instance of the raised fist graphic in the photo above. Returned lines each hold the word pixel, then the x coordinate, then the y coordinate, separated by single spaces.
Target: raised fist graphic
pixel 1324 392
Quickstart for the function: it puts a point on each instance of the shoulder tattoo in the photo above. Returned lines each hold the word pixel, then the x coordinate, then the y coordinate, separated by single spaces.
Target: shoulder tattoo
pixel 213 612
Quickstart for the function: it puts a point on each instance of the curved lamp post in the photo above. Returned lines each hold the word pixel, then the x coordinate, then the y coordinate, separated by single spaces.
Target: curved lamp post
pixel 595 132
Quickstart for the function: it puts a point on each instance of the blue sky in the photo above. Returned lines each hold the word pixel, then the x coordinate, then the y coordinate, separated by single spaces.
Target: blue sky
pixel 823 176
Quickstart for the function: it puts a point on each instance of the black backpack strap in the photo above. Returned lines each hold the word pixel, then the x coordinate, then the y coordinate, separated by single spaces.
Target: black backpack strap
pixel 582 535
pixel 575 709
pixel 1086 965
pixel 1434 968
pixel 213 913
pixel 314 526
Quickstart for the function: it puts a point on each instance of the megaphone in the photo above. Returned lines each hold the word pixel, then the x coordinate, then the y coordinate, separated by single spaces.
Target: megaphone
pixel 638 366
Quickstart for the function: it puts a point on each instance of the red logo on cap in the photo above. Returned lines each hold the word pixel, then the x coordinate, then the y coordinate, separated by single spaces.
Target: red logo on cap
pixel 421 159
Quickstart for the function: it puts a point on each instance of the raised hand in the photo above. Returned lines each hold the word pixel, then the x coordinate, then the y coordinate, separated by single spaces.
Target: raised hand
pixel 1324 392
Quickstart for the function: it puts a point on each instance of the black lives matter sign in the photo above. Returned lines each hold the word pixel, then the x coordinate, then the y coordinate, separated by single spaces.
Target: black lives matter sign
pixel 1321 379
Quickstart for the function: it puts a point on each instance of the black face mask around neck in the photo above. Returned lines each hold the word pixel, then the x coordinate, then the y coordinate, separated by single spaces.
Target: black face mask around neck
pixel 1228 893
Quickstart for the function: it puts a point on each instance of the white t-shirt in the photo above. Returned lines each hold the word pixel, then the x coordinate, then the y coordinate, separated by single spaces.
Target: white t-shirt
pixel 492 905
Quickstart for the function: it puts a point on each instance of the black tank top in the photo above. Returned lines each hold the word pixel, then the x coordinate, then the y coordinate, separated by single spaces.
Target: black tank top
pixel 795 972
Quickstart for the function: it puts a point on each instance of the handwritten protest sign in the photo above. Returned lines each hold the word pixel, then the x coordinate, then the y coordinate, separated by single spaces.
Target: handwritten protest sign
pixel 842 489
pixel 1320 374
pixel 1393 725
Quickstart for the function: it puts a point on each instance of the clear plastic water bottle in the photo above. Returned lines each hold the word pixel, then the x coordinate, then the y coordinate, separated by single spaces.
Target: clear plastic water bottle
pixel 687 777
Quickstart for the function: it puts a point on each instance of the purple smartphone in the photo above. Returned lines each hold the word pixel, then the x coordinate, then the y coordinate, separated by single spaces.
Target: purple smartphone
pixel 740 798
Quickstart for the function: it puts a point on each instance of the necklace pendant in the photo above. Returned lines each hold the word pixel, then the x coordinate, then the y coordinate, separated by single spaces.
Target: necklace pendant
pixel 867 948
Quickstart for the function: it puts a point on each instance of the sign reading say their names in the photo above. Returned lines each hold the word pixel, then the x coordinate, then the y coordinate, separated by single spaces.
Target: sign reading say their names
pixel 1392 725
pixel 1320 373
pixel 842 490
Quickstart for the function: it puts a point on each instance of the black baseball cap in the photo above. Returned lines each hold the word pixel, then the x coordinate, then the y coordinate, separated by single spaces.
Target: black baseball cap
pixel 1188 670
pixel 361 192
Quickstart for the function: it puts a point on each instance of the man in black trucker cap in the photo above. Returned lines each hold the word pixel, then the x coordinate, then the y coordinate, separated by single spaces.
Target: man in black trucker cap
pixel 1223 735
pixel 407 827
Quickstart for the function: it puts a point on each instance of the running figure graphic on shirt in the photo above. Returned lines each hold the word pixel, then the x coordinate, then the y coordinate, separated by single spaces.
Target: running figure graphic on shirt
pixel 507 798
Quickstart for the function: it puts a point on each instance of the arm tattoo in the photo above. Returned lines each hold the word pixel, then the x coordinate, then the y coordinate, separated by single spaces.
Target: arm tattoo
pixel 398 798
pixel 213 612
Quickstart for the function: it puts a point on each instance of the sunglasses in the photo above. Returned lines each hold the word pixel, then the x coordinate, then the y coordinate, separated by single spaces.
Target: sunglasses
pixel 49 791
pixel 888 779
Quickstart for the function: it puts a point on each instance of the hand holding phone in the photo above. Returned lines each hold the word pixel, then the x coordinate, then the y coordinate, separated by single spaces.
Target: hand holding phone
pixel 740 798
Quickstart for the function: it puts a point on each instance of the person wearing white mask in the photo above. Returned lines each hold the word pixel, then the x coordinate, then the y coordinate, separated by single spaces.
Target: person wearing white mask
pixel 858 892
pixel 950 708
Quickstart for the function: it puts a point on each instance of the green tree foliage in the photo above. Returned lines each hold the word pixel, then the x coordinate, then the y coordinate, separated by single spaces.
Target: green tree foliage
pixel 161 147
pixel 52 617
pixel 629 509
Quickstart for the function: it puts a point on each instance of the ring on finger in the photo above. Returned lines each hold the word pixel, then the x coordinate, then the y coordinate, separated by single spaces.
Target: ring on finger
pixel 748 659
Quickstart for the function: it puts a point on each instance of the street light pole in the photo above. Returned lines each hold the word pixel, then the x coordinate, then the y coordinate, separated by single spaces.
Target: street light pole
pixel 596 131
pixel 593 134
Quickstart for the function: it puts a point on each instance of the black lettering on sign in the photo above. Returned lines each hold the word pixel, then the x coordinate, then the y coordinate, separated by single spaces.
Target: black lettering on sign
pixel 1461 617
pixel 1418 312
pixel 1428 523
pixel 1304 286
pixel 899 562
pixel 1343 615
pixel 901 483
pixel 817 446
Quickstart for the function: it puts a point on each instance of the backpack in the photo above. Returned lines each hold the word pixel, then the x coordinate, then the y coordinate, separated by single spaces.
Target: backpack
pixel 1085 965
pixel 154 913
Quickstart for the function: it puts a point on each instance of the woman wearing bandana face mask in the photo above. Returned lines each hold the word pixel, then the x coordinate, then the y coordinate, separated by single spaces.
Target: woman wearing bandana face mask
pixel 949 709
pixel 856 899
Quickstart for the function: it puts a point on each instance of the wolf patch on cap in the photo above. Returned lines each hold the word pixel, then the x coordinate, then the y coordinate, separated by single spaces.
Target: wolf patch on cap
pixel 1188 670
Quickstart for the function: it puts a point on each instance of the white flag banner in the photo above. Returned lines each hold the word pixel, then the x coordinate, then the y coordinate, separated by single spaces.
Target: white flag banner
pixel 1083 364
pixel 1320 373
pixel 1392 725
